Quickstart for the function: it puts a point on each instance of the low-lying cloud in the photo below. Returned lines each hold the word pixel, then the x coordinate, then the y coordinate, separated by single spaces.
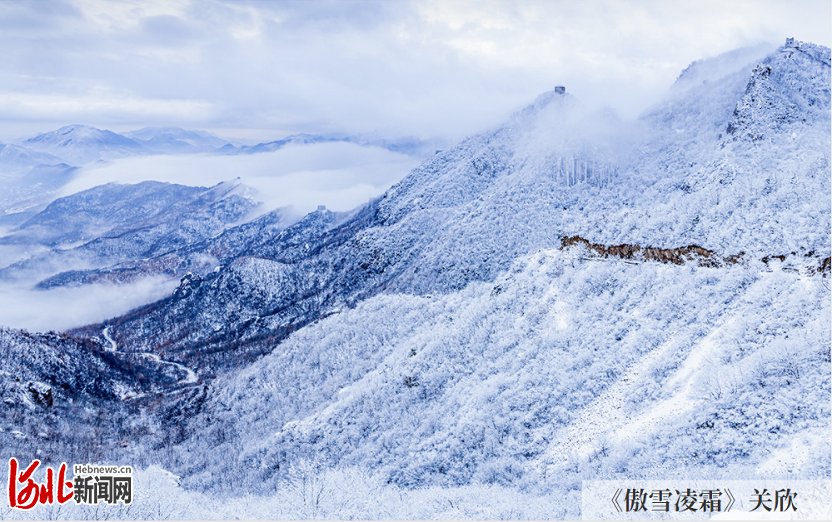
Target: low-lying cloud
pixel 64 308
pixel 340 176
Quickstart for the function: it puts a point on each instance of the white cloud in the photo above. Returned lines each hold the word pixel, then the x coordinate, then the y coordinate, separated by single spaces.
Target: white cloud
pixel 340 176
pixel 64 308
pixel 40 106
pixel 436 68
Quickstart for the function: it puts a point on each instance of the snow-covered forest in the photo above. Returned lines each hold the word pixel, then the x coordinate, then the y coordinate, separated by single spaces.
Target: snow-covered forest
pixel 567 296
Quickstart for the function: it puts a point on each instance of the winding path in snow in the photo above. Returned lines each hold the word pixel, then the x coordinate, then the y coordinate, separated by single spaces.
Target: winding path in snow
pixel 190 376
pixel 113 346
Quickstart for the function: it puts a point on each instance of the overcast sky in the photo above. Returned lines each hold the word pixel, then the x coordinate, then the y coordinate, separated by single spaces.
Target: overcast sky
pixel 424 68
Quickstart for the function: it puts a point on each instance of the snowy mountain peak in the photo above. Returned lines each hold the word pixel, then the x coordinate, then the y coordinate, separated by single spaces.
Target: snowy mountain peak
pixel 12 156
pixel 79 144
pixel 555 97
pixel 177 139
pixel 815 52
pixel 787 93
pixel 80 135
pixel 234 187
pixel 717 67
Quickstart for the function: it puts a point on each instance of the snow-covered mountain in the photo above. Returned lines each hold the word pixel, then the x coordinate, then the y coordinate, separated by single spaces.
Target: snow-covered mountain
pixel 194 258
pixel 28 178
pixel 81 144
pixel 60 392
pixel 409 399
pixel 175 140
pixel 564 366
pixel 566 297
pixel 35 169
pixel 114 223
pixel 409 145
pixel 14 158
pixel 467 213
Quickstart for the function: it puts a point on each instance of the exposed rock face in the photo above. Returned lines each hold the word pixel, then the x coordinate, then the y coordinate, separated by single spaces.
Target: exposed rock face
pixel 677 256
pixel 681 255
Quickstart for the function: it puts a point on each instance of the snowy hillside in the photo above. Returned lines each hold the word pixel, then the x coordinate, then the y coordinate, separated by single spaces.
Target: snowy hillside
pixel 556 170
pixel 66 395
pixel 28 178
pixel 546 175
pixel 195 257
pixel 80 144
pixel 565 366
pixel 220 320
pixel 482 387
pixel 115 223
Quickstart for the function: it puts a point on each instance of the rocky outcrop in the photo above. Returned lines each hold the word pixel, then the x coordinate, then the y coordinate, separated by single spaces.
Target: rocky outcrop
pixel 680 255
pixel 677 256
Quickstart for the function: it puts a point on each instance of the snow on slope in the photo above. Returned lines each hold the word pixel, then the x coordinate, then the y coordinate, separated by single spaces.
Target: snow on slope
pixel 564 367
pixel 172 140
pixel 528 378
pixel 197 258
pixel 112 210
pixel 80 144
pixel 103 226
pixel 28 178
pixel 14 158
pixel 768 187
pixel 466 214
pixel 676 177
pixel 53 385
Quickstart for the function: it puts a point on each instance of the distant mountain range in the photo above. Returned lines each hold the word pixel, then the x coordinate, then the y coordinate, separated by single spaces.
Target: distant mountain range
pixel 113 223
pixel 81 144
pixel 33 170
pixel 411 146
pixel 175 140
